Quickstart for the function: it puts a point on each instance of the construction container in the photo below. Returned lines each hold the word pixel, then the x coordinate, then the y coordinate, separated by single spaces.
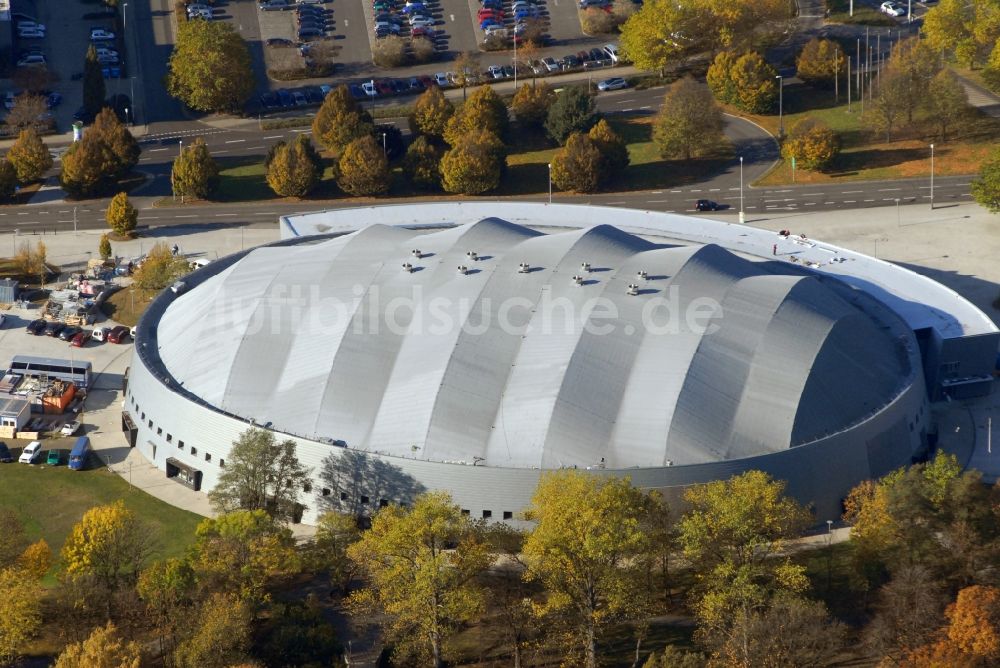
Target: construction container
pixel 9 290
pixel 57 397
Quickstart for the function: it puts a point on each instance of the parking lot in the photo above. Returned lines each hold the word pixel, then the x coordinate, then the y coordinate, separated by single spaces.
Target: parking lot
pixel 57 52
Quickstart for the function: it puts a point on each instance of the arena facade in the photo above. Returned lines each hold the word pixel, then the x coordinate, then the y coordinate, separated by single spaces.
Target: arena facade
pixel 469 347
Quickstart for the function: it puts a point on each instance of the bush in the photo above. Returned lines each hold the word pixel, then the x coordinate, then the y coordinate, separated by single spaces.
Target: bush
pixel 423 164
pixel 595 21
pixel 121 215
pixel 389 52
pixel 364 169
pixel 293 168
pixel 431 112
pixel 573 110
pixel 812 144
pixel 423 49
pixel 475 165
pixel 577 166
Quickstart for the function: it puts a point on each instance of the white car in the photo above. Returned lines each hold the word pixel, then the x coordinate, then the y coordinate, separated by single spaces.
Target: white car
pixel 29 33
pixel 31 59
pixel 421 22
pixel 30 25
pixel 107 59
pixel 369 88
pixel 892 9
pixel 70 428
pixel 31 453
pixel 441 79
pixel 106 52
pixel 100 33
pixel 203 14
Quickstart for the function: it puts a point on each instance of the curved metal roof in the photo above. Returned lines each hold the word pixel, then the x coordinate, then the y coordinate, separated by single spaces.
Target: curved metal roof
pixel 552 366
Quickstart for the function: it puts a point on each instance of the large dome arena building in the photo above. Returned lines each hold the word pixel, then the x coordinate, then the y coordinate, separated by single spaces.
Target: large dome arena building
pixel 469 347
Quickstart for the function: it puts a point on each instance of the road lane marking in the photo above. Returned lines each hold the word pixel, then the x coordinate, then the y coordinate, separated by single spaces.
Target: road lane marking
pixel 154 150
pixel 851 192
pixel 235 141
pixel 850 201
pixel 254 148
pixel 274 137
pixel 884 190
pixel 220 215
pixel 190 215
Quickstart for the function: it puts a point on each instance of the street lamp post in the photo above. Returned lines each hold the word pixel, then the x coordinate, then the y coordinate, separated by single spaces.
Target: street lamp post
pixel 781 105
pixel 897 213
pixel 932 177
pixel 550 183
pixel 179 153
pixel 742 219
pixel 385 151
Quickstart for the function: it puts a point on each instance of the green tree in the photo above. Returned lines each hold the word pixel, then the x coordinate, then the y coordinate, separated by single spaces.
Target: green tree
pixel 986 187
pixel 573 110
pixel 88 167
pixel 720 77
pixel 364 169
pixel 220 636
pixel 653 38
pixel 93 83
pixel 614 152
pixel 118 138
pixel 947 101
pixel 811 143
pixel 8 179
pixel 820 62
pixel 484 110
pixel 431 112
pixel 209 68
pixel 577 165
pixel 335 532
pixel 168 588
pixel 260 474
pixel 194 173
pixel 30 157
pixel 475 165
pixel 340 120
pixel 531 103
pixel 754 83
pixel 884 111
pixel 294 169
pixel 732 534
pixel 466 69
pixel 103 648
pixel 914 63
pixel 104 247
pixel 121 216
pixel 689 121
pixel 423 163
pixel 107 548
pixel 243 552
pixel 675 657
pixel 589 551
pixel 13 539
pixel 424 589
pixel 20 613
pixel 950 29
pixel 159 268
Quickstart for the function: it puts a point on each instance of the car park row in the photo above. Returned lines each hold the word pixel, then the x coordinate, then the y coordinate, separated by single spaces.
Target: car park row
pixel 391 87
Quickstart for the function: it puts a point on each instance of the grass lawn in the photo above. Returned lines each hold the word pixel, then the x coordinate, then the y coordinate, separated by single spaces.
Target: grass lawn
pixel 839 12
pixel 865 156
pixel 50 500
pixel 127 305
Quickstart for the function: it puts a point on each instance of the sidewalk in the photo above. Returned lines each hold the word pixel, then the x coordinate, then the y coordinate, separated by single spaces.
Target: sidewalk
pixel 980 98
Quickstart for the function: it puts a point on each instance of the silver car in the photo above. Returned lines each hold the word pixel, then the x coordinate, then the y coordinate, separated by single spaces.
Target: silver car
pixel 614 83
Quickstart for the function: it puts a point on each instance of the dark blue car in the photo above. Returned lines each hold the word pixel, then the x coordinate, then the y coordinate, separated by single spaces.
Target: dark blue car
pixel 285 98
pixel 5 456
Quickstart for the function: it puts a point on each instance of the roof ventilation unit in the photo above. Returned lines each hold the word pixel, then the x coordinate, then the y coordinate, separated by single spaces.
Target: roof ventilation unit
pixel 578 280
pixel 585 267
pixel 462 269
pixel 633 289
pixel 407 267
pixel 472 255
pixel 416 253
pixel 643 276
pixel 523 268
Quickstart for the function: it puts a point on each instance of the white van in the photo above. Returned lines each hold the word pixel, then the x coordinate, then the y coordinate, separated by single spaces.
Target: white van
pixel 101 333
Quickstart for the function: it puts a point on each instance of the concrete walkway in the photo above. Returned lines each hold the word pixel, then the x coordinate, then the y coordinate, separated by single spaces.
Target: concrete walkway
pixel 980 98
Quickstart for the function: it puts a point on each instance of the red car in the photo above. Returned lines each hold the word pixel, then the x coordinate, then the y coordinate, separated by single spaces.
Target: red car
pixel 118 334
pixel 495 14
pixel 81 339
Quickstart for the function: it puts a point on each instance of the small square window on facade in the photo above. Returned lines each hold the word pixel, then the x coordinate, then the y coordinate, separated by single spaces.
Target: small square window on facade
pixel 343 496
pixel 222 463
pixel 507 515
pixel 208 456
pixel 307 487
pixel 194 450
pixel 143 417
pixel 170 438
pixel 465 511
pixel 150 423
pixel 326 492
pixel 159 431
pixel 487 514
pixel 383 503
pixel 180 444
pixel 364 499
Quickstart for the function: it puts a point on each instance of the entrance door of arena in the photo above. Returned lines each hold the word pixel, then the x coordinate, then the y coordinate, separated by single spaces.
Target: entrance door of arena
pixel 131 431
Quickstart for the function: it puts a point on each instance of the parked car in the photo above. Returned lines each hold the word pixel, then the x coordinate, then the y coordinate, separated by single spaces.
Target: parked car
pixel 369 88
pixel 118 334
pixel 5 456
pixel 203 14
pixel 100 33
pixel 28 33
pixel 416 8
pixel 892 9
pixel 284 97
pixel 421 21
pixel 309 32
pixel 107 59
pixel 37 327
pixel 78 455
pixel 311 2
pixel 570 62
pixel 706 205
pixel 31 453
pixel 274 5
pixel 54 327
pixel 31 59
pixel 422 31
pixel 81 338
pixel 68 332
pixel 357 91
pixel 299 98
pixel 70 428
pixel 101 333
pixel 54 458
pixel 269 101
pixel 612 51
pixel 614 83
pixel 25 24
pixel 441 79
pixel 279 42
